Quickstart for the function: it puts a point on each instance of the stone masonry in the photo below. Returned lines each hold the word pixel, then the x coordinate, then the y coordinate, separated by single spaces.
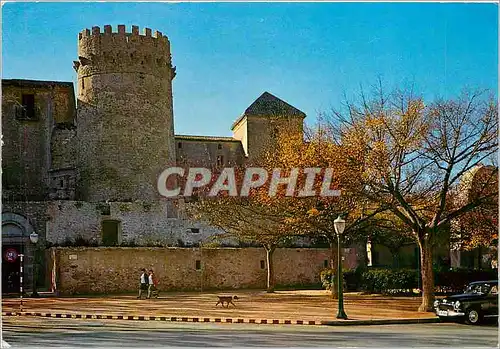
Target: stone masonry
pixel 86 168
pixel 108 270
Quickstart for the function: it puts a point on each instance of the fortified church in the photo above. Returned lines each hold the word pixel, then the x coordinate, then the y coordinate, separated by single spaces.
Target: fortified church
pixel 87 169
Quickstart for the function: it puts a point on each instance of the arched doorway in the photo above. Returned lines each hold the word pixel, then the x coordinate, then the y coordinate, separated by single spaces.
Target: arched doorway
pixel 15 241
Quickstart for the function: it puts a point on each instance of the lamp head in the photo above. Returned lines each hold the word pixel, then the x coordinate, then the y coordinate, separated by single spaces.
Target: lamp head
pixel 34 237
pixel 339 224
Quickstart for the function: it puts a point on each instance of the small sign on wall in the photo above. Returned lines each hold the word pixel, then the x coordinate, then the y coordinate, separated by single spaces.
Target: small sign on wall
pixel 73 257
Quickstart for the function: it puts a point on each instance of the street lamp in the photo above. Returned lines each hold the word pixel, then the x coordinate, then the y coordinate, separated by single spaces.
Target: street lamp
pixel 339 224
pixel 34 240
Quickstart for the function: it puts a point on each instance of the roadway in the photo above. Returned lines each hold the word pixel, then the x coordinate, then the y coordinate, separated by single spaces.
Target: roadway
pixel 47 332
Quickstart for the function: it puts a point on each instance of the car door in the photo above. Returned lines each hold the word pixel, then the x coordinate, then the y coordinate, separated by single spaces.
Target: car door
pixel 492 300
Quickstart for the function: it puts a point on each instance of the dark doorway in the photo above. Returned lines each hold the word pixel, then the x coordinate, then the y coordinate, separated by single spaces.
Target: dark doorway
pixel 110 233
pixel 11 263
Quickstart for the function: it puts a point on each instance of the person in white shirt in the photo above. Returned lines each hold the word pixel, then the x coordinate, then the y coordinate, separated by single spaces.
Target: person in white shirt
pixel 152 284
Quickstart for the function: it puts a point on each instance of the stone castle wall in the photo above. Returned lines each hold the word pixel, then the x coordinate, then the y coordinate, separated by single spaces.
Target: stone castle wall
pixel 26 152
pixel 199 151
pixel 141 223
pixel 125 113
pixel 109 270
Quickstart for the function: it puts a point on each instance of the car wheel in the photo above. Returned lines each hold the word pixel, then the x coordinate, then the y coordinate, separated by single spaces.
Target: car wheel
pixel 473 316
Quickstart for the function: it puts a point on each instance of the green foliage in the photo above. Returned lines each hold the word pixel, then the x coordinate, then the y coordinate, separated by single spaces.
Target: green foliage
pixel 403 281
pixel 454 280
pixel 352 278
pixel 327 277
pixel 389 280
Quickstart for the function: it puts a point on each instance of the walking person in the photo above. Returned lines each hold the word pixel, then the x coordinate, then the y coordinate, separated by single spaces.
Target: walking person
pixel 153 283
pixel 144 282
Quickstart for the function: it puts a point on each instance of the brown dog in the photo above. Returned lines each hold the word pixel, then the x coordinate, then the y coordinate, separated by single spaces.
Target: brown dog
pixel 226 299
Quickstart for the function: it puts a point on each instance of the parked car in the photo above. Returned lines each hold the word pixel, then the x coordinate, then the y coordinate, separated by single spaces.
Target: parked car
pixel 479 300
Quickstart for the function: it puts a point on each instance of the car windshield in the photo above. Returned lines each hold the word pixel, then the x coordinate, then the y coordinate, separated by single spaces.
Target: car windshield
pixel 478 289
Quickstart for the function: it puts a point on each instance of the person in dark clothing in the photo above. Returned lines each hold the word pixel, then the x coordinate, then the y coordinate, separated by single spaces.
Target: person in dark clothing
pixel 144 283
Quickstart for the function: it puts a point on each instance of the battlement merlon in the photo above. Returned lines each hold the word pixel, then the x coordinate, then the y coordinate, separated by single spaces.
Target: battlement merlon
pixel 121 31
pixel 102 49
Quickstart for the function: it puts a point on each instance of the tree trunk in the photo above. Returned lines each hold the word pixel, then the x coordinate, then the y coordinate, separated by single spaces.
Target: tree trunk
pixel 479 258
pixel 270 268
pixel 334 265
pixel 427 275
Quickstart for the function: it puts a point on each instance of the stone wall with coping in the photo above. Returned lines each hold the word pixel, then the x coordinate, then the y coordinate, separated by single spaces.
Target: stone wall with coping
pixel 114 270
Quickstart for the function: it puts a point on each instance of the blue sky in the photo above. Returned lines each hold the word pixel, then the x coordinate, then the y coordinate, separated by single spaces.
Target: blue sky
pixel 308 54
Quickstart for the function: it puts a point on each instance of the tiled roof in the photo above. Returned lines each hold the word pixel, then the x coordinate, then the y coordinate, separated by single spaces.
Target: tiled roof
pixel 270 105
pixel 205 138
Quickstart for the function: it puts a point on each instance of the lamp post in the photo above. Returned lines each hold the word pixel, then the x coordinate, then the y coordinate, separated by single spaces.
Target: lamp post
pixel 34 240
pixel 339 224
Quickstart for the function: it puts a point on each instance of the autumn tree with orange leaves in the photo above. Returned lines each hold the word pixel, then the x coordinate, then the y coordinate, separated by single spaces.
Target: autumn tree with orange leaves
pixel 252 218
pixel 314 215
pixel 413 155
pixel 477 228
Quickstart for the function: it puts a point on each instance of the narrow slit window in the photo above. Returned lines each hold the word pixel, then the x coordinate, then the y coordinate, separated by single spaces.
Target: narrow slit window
pixel 220 160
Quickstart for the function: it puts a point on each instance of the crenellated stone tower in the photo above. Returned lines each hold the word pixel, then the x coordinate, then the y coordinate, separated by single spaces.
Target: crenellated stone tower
pixel 125 125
